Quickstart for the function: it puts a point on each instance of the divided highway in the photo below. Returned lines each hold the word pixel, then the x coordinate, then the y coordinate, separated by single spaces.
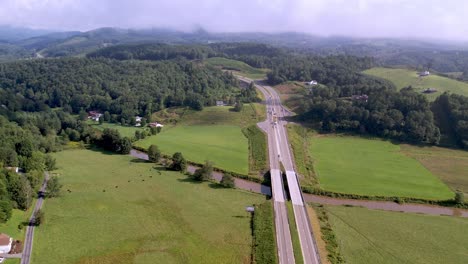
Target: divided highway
pixel 278 148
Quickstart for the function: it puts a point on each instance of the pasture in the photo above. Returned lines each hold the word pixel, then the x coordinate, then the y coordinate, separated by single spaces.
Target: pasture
pixel 404 77
pixel 374 167
pixel 238 67
pixel 225 145
pixel 125 131
pixel 115 209
pixel 372 236
pixel 215 134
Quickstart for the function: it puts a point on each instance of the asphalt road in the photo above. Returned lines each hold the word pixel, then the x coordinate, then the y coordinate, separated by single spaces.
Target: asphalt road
pixel 278 147
pixel 28 240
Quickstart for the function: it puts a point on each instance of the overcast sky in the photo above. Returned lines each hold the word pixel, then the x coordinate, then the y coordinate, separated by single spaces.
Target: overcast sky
pixel 438 19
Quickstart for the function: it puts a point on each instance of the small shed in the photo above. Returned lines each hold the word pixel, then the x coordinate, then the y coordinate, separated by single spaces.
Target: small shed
pixel 220 103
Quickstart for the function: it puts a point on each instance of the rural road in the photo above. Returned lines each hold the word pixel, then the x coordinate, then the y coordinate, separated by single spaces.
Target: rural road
pixel 28 239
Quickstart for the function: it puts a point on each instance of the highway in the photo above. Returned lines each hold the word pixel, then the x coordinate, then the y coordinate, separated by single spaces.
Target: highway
pixel 28 240
pixel 279 152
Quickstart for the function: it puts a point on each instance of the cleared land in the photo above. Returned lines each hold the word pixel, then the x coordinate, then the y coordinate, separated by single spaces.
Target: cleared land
pixel 215 134
pixel 121 210
pixel 371 236
pixel 238 67
pixel 225 145
pixel 125 131
pixel 11 227
pixel 372 167
pixel 404 77
pixel 450 165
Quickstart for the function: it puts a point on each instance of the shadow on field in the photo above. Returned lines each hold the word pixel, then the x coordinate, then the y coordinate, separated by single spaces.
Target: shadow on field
pixel 189 180
pixel 139 161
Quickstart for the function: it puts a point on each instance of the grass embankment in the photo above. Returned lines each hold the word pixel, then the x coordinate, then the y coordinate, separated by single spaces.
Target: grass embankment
pixel 239 67
pixel 291 94
pixel 372 236
pixel 372 167
pixel 299 137
pixel 404 77
pixel 264 249
pixel 121 210
pixel 332 247
pixel 216 134
pixel 294 235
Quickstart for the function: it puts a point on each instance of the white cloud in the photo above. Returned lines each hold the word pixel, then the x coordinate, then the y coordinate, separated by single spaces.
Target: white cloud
pixel 371 18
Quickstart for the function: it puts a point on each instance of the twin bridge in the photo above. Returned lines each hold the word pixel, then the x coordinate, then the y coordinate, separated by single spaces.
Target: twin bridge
pixel 279 153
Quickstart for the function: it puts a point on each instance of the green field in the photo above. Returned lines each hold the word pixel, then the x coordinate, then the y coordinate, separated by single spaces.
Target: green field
pixel 403 78
pixel 215 134
pixel 450 165
pixel 238 66
pixel 371 236
pixel 372 167
pixel 225 145
pixel 125 131
pixel 122 210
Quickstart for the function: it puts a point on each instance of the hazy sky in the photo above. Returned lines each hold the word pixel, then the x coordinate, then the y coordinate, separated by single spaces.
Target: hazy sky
pixel 440 19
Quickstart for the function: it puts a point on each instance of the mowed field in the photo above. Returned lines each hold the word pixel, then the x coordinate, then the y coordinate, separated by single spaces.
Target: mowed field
pixel 240 67
pixel 225 145
pixel 116 209
pixel 214 134
pixel 372 236
pixel 372 167
pixel 450 165
pixel 125 131
pixel 404 77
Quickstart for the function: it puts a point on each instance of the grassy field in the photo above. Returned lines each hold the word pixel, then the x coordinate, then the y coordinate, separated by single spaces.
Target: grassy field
pixel 403 78
pixel 371 236
pixel 125 131
pixel 450 165
pixel 372 167
pixel 121 210
pixel 239 67
pixel 215 133
pixel 225 145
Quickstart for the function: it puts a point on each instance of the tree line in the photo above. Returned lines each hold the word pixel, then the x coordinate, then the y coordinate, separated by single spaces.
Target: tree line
pixel 451 111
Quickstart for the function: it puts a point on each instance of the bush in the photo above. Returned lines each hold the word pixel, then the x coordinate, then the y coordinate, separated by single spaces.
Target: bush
pixel 204 173
pixel 53 187
pixel 38 218
pixel 178 162
pixel 154 154
pixel 228 181
pixel 459 198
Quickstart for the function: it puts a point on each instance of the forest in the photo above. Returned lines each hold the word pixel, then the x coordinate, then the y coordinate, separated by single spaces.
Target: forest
pixel 454 110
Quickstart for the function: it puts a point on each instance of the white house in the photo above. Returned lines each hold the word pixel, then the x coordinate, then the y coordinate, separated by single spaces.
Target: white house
pixel 424 73
pixel 5 245
pixel 313 82
pixel 155 124
pixel 220 103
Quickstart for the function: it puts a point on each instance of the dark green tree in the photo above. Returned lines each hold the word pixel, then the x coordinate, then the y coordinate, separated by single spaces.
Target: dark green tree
pixel 227 181
pixel 154 154
pixel 178 162
pixel 205 172
pixel 53 187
